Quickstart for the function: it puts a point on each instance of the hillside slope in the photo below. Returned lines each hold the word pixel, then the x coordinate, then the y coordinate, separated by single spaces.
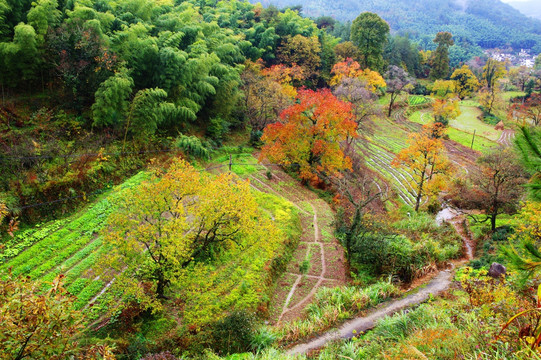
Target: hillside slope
pixel 487 23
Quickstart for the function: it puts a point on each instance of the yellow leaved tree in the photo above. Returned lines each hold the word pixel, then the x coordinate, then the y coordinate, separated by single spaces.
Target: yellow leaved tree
pixel 425 160
pixel 170 222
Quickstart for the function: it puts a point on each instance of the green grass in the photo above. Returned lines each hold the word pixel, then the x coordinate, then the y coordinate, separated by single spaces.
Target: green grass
pixel 244 163
pixel 464 138
pixel 508 95
pixel 468 122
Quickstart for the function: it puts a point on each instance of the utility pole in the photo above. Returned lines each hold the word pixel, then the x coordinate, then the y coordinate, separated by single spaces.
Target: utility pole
pixel 473 139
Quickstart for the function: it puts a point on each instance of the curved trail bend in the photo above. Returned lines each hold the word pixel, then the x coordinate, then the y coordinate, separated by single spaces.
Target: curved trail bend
pixel 349 329
pixel 437 285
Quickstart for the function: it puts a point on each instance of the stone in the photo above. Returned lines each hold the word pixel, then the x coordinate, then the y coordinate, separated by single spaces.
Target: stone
pixel 497 270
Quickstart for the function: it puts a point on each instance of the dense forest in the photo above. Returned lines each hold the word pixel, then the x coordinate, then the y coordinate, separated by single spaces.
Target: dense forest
pixel 485 23
pixel 211 180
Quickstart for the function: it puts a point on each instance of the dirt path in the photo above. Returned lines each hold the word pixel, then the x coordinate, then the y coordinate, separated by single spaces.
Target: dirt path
pixel 319 258
pixel 506 138
pixel 437 285
pixel 348 330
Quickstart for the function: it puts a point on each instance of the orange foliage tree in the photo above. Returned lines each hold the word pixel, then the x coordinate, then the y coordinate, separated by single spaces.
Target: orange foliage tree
pixel 310 135
pixel 352 69
pixel 445 110
pixel 425 160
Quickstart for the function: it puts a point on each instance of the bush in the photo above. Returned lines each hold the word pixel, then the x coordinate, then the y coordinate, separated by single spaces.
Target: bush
pixel 233 334
pixel 386 254
pixel 263 338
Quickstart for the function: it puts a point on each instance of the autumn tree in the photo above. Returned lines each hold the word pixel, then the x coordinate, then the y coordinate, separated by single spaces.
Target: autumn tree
pixel 530 111
pixel 398 81
pixel 490 99
pixel 369 32
pixel 302 51
pixel 347 49
pixel 168 223
pixel 352 69
pixel 520 76
pixel 39 324
pixel 426 161
pixel 444 89
pixel 266 94
pixel 496 186
pixel 440 57
pixel 364 101
pixel 492 72
pixel 310 135
pixel 466 82
pixel 489 95
pixel 445 110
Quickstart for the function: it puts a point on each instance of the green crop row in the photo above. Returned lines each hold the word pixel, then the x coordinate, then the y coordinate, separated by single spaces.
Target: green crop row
pixel 28 238
pixel 71 262
pixel 86 294
pixel 417 100
pixel 57 258
pixel 87 263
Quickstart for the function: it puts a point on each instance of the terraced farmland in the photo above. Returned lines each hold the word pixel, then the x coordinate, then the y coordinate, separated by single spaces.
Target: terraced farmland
pixel 71 247
pixel 379 158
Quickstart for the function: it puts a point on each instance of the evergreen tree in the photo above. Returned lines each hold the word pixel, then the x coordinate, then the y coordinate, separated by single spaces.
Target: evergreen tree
pixel 369 32
pixel 440 60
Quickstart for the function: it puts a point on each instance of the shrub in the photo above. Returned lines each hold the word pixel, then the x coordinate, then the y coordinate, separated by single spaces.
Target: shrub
pixel 233 334
pixel 263 338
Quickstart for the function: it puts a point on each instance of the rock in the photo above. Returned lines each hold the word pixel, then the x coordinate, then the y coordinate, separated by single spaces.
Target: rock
pixel 500 126
pixel 496 270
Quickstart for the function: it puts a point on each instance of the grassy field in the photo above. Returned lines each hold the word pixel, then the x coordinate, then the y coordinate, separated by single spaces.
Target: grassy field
pixel 468 122
pixel 508 95
pixel 463 137
pixel 480 144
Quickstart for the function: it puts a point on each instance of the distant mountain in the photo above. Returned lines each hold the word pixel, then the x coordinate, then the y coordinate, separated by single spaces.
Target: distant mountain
pixel 487 23
pixel 530 8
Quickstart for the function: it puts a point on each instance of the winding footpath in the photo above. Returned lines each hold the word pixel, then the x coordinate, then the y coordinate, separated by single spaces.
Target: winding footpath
pixel 437 285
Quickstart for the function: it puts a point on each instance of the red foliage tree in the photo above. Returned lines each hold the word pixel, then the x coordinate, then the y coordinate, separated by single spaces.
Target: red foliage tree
pixel 310 135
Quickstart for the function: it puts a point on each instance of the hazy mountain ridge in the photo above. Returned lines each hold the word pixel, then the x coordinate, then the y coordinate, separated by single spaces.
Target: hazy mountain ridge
pixel 530 8
pixel 487 23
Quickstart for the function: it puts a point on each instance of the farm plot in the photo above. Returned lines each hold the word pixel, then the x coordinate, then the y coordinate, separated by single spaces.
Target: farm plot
pixel 318 260
pixel 417 100
pixel 69 246
pixel 379 159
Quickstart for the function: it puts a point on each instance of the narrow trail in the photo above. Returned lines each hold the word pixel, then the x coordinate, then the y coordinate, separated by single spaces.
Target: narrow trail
pixel 437 285
pixel 320 278
pixel 506 138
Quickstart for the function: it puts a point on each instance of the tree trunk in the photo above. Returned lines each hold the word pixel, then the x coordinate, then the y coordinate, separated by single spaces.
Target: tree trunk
pixel 160 286
pixel 391 106
pixel 493 221
pixel 420 192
